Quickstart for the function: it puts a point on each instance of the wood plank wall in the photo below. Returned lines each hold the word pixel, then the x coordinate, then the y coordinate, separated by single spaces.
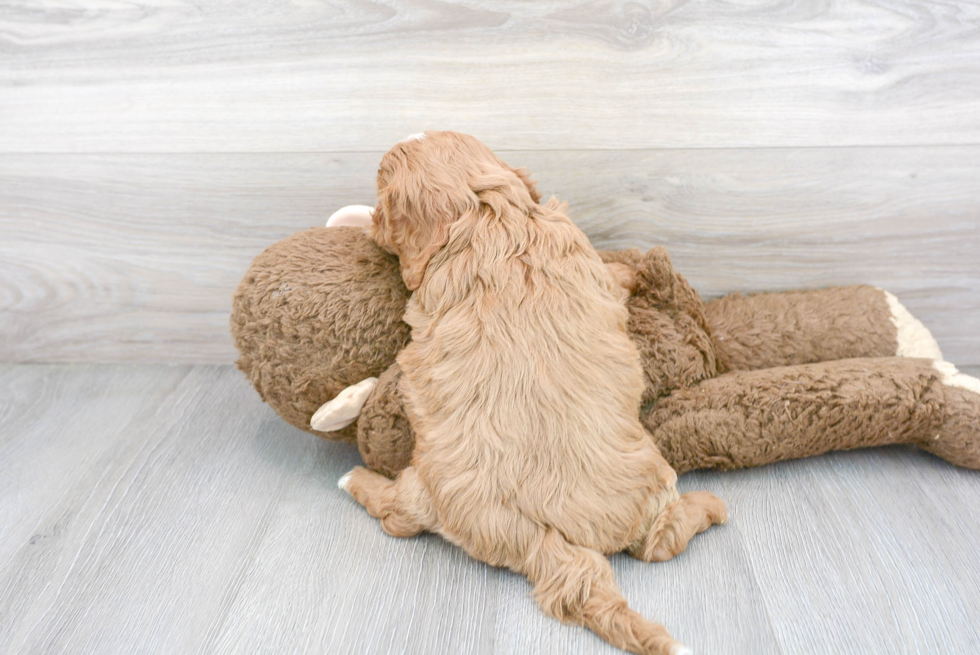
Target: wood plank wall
pixel 149 150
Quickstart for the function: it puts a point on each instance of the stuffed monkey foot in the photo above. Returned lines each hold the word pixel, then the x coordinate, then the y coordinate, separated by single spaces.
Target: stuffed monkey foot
pixel 751 418
pixel 912 338
pixel 958 441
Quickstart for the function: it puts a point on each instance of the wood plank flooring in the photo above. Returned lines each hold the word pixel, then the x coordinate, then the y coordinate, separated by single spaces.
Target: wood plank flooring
pixel 163 509
pixel 119 257
pixel 148 151
pixel 177 76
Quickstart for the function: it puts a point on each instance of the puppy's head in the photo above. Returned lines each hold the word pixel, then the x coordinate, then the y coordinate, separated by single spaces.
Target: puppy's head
pixel 430 181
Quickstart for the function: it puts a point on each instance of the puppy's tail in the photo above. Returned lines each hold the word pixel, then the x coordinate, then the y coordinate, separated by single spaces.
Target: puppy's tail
pixel 576 585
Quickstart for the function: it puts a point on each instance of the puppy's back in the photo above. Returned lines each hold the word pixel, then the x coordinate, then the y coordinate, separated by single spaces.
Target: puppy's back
pixel 525 388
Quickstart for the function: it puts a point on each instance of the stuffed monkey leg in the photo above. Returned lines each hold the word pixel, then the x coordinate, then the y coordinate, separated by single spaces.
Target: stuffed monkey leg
pixel 384 433
pixel 751 418
pixel 802 327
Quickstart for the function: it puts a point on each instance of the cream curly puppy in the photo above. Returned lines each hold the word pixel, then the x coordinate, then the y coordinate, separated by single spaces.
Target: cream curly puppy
pixel 524 391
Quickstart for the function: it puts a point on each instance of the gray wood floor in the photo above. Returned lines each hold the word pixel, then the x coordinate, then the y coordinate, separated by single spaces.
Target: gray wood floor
pixel 149 150
pixel 332 77
pixel 165 509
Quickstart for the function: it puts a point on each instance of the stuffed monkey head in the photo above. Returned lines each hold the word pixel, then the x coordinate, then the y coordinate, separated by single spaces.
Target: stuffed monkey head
pixel 316 320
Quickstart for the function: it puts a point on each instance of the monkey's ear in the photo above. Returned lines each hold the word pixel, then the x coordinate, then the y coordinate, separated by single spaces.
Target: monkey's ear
pixel 353 215
pixel 344 408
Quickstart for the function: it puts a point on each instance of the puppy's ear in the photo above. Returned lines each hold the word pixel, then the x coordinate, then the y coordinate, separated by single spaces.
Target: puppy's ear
pixel 413 223
pixel 499 188
pixel 414 265
pixel 532 186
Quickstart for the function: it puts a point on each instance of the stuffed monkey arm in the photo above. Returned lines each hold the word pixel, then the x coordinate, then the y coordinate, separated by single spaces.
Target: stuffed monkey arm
pixel 801 327
pixel 384 435
pixel 384 432
pixel 796 327
pixel 751 418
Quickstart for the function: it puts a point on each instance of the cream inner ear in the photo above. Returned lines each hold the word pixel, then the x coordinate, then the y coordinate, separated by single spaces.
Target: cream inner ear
pixel 343 410
pixel 352 215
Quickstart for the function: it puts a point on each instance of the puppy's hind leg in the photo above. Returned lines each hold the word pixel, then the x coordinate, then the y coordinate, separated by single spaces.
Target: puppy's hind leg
pixel 679 521
pixel 403 506
pixel 576 585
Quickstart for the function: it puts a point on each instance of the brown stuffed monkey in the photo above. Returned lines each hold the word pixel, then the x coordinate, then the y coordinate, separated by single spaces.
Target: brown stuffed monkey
pixel 739 381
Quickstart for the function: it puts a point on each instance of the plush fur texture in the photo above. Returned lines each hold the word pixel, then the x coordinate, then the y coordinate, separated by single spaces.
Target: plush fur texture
pixel 299 353
pixel 524 390
pixel 382 428
pixel 313 316
pixel 738 419
pixel 667 323
pixel 801 327
pixel 739 381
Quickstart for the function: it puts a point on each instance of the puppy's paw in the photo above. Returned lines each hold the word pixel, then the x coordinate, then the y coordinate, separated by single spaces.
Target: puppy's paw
pixel 360 484
pixel 624 275
pixel 714 507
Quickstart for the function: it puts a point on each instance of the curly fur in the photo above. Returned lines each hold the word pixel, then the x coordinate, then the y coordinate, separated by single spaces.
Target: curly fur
pixel 524 390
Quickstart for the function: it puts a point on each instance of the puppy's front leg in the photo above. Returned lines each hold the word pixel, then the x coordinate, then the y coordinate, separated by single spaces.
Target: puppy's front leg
pixel 403 506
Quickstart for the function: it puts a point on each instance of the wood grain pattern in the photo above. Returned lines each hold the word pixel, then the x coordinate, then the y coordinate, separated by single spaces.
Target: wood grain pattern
pixel 159 509
pixel 180 76
pixel 148 151
pixel 134 257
